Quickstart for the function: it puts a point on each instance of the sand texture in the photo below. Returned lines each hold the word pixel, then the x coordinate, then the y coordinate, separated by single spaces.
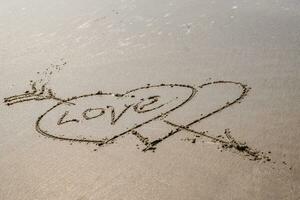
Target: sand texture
pixel 133 100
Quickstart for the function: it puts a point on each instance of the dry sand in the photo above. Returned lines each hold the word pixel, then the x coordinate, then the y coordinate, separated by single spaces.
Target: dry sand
pixel 149 100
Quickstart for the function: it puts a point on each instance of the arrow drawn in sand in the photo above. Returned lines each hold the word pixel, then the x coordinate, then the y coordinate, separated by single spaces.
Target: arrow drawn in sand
pixel 153 106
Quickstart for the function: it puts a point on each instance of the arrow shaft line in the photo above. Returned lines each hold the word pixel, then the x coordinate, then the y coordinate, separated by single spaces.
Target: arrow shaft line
pixel 231 141
pixel 186 128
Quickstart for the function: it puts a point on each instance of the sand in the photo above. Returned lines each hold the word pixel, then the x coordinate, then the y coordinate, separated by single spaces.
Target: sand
pixel 149 100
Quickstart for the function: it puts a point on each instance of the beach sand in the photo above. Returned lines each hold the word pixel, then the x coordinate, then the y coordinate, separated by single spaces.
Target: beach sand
pixel 149 100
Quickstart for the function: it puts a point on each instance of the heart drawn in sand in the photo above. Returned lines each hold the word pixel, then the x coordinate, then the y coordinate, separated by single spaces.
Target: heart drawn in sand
pixel 101 117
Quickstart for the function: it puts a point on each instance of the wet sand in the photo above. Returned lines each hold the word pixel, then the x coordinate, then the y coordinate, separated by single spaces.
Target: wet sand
pixel 149 100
